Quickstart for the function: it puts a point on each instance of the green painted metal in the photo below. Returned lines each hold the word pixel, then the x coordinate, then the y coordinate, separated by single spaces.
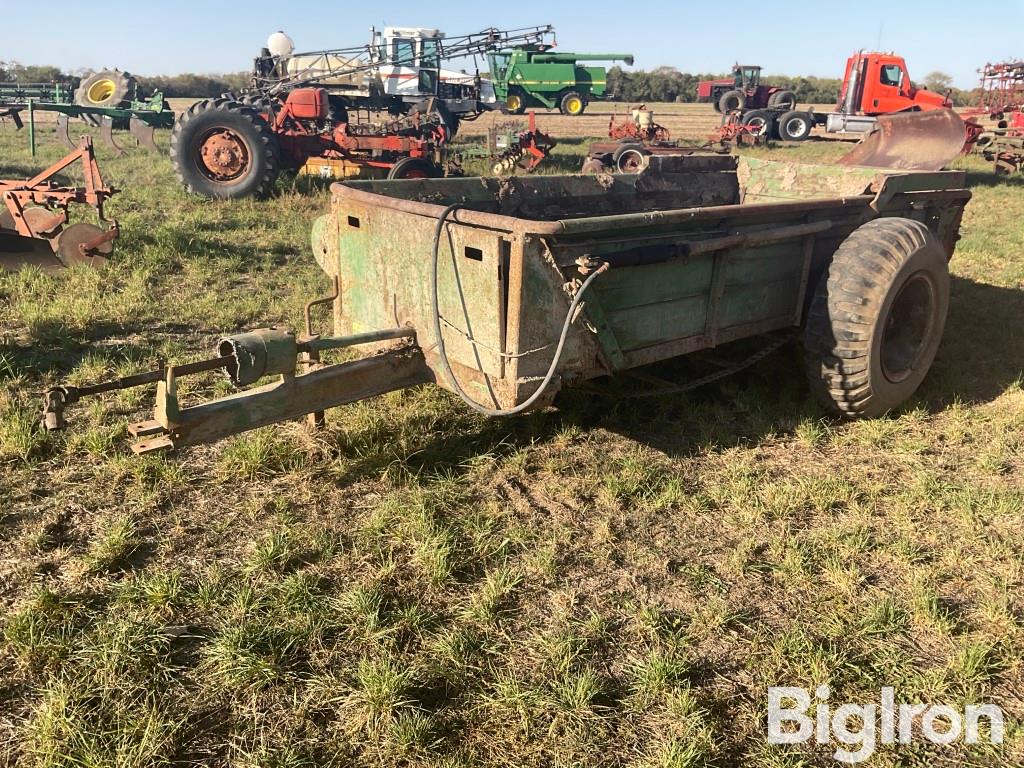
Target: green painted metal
pixel 542 78
pixel 714 251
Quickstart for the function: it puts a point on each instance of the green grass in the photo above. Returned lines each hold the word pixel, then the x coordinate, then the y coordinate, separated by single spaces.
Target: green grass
pixel 608 583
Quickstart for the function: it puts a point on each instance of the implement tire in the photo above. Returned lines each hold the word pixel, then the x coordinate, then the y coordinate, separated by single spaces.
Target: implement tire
pixel 876 318
pixel 109 88
pixel 226 150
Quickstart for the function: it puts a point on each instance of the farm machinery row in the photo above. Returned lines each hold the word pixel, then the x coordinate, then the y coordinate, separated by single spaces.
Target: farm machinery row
pixel 320 114
pixel 998 118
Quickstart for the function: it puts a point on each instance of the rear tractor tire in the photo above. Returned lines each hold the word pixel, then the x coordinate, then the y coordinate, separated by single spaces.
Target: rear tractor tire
pixel 782 100
pixel 730 101
pixel 876 318
pixel 572 104
pixel 109 88
pixel 225 150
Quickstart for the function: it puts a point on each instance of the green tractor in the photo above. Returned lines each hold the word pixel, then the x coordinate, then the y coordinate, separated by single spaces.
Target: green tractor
pixel 533 76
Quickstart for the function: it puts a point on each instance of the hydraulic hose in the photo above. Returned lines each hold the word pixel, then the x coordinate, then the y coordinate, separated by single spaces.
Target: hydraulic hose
pixel 442 353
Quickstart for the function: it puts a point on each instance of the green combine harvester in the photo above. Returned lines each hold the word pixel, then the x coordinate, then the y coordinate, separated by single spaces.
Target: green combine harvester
pixel 533 76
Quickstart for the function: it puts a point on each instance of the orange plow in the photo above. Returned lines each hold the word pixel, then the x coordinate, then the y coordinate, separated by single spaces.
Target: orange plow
pixel 35 229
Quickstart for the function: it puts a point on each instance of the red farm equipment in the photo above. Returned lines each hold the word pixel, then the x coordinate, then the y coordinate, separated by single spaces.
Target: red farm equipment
pixel 1001 100
pixel 35 229
pixel 228 149
pixel 744 90
pixel 301 118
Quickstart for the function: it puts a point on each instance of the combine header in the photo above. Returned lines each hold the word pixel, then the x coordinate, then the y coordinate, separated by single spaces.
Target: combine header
pixel 34 221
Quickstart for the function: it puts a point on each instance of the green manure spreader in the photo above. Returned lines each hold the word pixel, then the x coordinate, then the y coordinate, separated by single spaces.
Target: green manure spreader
pixel 506 291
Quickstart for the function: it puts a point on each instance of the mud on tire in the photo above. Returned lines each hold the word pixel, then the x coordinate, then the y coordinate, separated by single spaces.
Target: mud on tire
pixel 876 318
pixel 223 149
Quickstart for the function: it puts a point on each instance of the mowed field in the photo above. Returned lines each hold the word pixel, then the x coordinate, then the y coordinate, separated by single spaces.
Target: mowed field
pixel 603 583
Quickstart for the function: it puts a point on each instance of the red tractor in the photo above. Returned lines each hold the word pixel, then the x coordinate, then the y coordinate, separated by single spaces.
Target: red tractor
pixel 224 148
pixel 744 91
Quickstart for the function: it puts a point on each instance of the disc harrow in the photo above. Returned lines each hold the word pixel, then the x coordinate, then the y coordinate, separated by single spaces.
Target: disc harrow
pixel 35 229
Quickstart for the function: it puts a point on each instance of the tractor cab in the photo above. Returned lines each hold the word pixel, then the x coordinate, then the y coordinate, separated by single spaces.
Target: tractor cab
pixel 410 64
pixel 746 77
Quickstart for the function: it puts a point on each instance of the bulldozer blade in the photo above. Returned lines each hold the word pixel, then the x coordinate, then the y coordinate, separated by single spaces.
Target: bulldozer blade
pixel 107 132
pixel 144 133
pixel 64 131
pixel 911 141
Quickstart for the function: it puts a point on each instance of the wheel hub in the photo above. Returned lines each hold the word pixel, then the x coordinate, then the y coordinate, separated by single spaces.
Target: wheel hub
pixel 908 328
pixel 101 90
pixel 224 155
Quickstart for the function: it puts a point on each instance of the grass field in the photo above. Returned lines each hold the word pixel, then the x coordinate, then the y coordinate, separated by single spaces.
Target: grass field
pixel 602 584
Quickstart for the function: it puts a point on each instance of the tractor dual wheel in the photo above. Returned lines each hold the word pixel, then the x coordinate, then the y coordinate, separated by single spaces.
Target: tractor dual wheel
pixel 223 149
pixel 876 318
pixel 515 102
pixel 794 126
pixel 730 101
pixel 572 104
pixel 414 168
pixel 109 88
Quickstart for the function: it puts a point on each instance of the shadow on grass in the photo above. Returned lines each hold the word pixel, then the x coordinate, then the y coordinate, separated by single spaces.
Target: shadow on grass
pixel 981 353
pixel 59 358
pixel 978 360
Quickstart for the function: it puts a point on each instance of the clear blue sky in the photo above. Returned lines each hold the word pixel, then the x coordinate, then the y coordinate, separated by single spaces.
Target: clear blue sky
pixel 795 38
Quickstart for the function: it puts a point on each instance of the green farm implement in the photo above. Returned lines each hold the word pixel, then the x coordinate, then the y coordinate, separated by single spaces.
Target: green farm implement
pixel 107 100
pixel 535 76
pixel 505 291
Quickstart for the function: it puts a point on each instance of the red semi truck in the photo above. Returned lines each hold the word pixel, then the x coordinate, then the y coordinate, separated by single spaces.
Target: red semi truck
pixel 874 84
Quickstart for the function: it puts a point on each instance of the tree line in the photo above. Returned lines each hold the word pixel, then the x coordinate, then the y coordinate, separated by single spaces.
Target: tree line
pixel 635 86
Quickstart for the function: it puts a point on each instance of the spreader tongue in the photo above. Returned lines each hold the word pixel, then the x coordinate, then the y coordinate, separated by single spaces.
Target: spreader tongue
pixel 911 141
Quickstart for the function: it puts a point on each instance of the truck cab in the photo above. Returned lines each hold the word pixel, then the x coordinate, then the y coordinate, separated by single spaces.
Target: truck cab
pixel 879 84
